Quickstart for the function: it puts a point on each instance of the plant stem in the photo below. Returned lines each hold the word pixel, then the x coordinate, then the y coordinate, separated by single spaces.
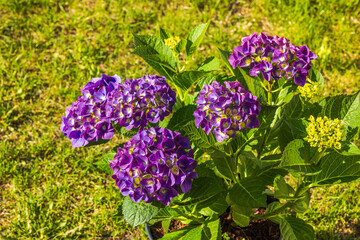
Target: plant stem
pixel 270 85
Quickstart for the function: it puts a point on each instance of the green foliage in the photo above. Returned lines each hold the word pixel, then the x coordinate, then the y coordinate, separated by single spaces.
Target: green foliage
pixel 138 213
pixel 104 162
pixel 195 37
pixel 295 228
pixel 248 192
pixel 49 49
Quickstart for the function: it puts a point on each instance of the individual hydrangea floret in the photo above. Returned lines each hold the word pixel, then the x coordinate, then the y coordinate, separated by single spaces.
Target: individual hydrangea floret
pixel 136 102
pixel 226 110
pixel 324 133
pixel 152 164
pixel 273 57
pixel 85 120
pixel 311 90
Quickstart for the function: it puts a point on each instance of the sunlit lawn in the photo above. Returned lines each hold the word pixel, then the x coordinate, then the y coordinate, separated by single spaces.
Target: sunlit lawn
pixel 49 49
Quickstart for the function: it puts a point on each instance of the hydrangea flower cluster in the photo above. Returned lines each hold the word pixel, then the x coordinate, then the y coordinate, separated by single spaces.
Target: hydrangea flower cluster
pixel 136 102
pixel 311 90
pixel 226 110
pixel 274 57
pixel 324 133
pixel 85 120
pixel 152 164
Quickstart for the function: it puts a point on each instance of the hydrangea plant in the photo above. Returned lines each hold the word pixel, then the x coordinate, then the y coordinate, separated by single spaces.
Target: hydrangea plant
pixel 203 141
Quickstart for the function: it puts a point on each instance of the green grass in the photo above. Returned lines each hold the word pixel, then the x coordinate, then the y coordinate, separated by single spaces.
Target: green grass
pixel 49 49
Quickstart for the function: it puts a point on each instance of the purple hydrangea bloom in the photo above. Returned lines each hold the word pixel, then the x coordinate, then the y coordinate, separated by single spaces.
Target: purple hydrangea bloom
pixel 272 57
pixel 139 101
pixel 224 110
pixel 152 164
pixel 85 120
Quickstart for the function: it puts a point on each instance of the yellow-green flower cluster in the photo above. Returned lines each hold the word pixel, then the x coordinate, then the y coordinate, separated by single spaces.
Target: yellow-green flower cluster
pixel 324 133
pixel 171 43
pixel 311 90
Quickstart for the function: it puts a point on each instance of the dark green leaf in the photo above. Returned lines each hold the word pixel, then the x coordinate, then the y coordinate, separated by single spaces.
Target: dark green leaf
pixel 316 76
pixel 253 84
pixel 296 229
pixel 344 107
pixel 217 207
pixel 187 79
pixel 298 157
pixel 199 137
pixel 337 168
pixel 164 34
pixel 138 213
pixel 98 142
pixel 236 72
pixel 248 193
pixel 225 165
pixel 282 189
pixel 104 163
pixel 181 117
pixel 241 215
pixel 195 37
pixel 302 204
pixel 203 189
pixel 213 77
pixel 180 46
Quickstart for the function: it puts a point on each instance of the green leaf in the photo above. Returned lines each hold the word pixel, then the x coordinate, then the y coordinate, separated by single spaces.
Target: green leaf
pixel 180 46
pixel 302 204
pixel 253 84
pixel 98 142
pixel 337 168
pixel 187 79
pixel 248 192
pixel 178 234
pixel 316 76
pixel 213 77
pixel 211 230
pixel 104 163
pixel 164 34
pixel 156 45
pixel 195 37
pixel 166 224
pixel 282 189
pixel 296 229
pixel 154 51
pixel 298 157
pixel 350 149
pixel 181 117
pixel 203 189
pixel 199 137
pixel 210 64
pixel 225 165
pixel 344 107
pixel 293 109
pixel 297 126
pixel 164 214
pixel 241 215
pixel 273 207
pixel 236 72
pixel 217 207
pixel 194 233
pixel 138 213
